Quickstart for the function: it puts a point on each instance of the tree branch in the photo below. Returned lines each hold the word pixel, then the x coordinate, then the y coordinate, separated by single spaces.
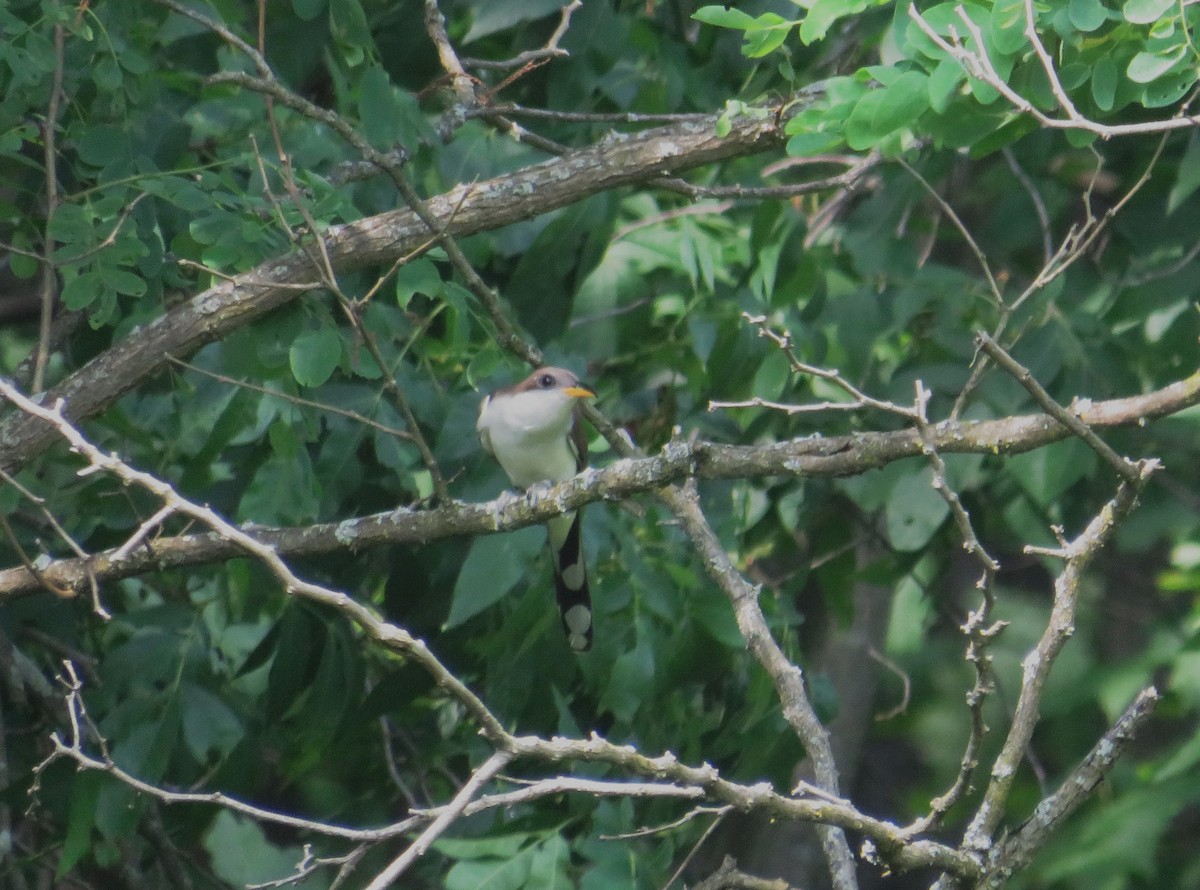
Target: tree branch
pixel 1015 853
pixel 615 161
pixel 832 456
pixel 1035 667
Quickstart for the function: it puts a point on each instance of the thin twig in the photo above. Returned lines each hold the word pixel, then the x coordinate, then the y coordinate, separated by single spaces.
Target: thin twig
pixel 978 628
pixel 1077 556
pixel 906 682
pixel 1128 470
pixel 972 244
pixel 63 592
pixel 296 400
pixel 651 830
pixel 84 559
pixel 977 64
pixel 859 399
pixel 484 774
pixel 49 288
pixel 1035 197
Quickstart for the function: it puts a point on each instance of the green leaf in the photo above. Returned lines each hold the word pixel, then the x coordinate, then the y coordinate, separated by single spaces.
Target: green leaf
pixel 300 641
pixel 1104 83
pixel 382 121
pixel 351 31
pixel 723 17
pixel 824 13
pixel 1188 178
pixel 715 615
pixel 1145 12
pixel 23 266
pixel 123 281
pixel 493 874
pixel 629 682
pixel 549 867
pixel 314 356
pixel 284 488
pixel 240 853
pixel 82 290
pixel 101 145
pixel 208 724
pixel 1168 90
pixel 493 567
pixel 943 84
pixel 308 10
pixel 767 34
pixel 419 276
pixel 806 144
pixel 881 112
pixel 914 511
pixel 493 16
pixel 1148 66
pixel 1047 473
pixel 85 791
pixel 1087 15
pixel 499 846
pixel 1006 26
pixel 106 74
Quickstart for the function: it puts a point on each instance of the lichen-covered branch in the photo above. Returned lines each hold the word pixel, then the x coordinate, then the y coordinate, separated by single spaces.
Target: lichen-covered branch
pixel 900 851
pixel 832 456
pixel 1017 850
pixel 214 313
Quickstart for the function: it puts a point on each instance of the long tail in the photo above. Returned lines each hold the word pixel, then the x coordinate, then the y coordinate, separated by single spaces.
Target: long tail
pixel 570 580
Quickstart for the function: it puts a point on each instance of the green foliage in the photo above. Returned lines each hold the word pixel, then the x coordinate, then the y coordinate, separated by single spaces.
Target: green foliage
pixel 214 678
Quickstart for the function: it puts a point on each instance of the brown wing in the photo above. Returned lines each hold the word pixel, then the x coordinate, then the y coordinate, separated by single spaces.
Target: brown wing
pixel 579 441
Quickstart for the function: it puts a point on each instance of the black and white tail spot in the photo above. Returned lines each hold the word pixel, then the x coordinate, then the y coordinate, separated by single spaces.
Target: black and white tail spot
pixel 570 582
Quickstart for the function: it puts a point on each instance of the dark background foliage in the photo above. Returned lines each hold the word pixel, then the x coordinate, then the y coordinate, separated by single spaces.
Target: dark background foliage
pixel 166 182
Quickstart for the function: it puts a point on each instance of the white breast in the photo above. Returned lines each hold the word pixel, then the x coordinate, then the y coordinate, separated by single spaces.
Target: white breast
pixel 528 433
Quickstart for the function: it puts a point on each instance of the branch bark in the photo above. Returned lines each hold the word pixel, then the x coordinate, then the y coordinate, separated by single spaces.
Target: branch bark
pixel 615 161
pixel 833 456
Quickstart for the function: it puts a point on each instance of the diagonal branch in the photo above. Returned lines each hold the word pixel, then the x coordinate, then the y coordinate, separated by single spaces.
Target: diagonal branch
pixel 900 851
pixel 827 457
pixel 214 313
pixel 1035 667
pixel 1011 856
pixel 787 678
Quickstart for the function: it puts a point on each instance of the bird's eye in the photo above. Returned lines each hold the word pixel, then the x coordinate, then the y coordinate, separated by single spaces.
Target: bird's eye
pixel 546 381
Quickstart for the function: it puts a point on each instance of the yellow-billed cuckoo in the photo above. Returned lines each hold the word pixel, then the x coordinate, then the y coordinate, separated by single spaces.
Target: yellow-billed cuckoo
pixel 533 430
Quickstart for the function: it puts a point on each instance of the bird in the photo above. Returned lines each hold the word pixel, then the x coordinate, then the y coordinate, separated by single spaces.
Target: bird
pixel 533 431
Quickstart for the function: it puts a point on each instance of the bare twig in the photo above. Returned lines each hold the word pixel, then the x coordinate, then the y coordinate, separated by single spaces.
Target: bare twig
pixel 859 399
pixel 980 258
pixel 550 50
pixel 84 560
pixel 905 681
pixel 977 628
pixel 484 774
pixel 809 456
pixel 1015 852
pixel 1035 197
pixel 977 64
pixel 297 400
pixel 729 877
pixel 849 180
pixel 49 288
pixel 1077 555
pixel 651 830
pixel 64 592
pixel 1126 469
